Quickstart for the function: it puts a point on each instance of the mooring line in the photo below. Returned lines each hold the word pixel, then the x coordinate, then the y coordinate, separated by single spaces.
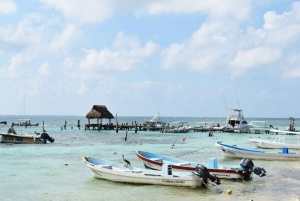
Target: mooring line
pixel 193 151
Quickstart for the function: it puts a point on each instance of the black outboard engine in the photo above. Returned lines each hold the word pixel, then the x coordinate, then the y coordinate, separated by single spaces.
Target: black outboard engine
pixel 45 137
pixel 249 167
pixel 204 174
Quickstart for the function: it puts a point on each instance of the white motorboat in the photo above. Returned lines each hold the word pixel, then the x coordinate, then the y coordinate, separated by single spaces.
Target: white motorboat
pixel 238 152
pixel 236 121
pixel 278 141
pixel 155 121
pixel 205 125
pixel 258 124
pixel 178 127
pixel 104 169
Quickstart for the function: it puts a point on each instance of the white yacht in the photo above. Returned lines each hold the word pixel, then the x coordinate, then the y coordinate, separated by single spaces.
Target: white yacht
pixel 155 121
pixel 236 121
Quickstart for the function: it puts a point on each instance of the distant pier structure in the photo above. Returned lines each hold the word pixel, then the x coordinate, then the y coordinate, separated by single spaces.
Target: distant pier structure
pixel 99 112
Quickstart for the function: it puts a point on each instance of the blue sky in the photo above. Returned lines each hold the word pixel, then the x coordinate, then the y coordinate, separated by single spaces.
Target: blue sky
pixel 193 58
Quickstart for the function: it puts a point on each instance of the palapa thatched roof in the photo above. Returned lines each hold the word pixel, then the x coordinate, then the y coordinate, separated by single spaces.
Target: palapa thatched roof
pixel 99 112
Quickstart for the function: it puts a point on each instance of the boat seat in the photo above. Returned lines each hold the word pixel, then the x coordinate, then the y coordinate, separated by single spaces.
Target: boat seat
pixel 105 166
pixel 213 163
pixel 286 153
pixel 156 159
pixel 184 164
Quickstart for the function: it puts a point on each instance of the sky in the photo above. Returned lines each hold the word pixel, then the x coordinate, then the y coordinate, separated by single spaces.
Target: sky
pixel 192 58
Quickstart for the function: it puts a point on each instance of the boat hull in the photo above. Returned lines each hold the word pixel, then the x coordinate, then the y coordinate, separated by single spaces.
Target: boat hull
pixel 235 152
pixel 141 176
pixel 273 145
pixel 9 138
pixel 223 171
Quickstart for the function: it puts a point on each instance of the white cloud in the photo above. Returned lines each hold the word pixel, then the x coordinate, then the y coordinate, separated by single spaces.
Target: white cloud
pixel 88 11
pixel 209 47
pixel 66 38
pixel 216 8
pixel 92 11
pixel 7 7
pixel 44 69
pixel 24 33
pixel 124 58
pixel 256 57
pixel 291 67
pixel 82 88
pixel 282 29
pixel 15 67
pixel 220 44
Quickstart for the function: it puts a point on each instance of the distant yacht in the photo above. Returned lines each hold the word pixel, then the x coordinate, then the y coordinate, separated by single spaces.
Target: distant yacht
pixel 155 121
pixel 236 120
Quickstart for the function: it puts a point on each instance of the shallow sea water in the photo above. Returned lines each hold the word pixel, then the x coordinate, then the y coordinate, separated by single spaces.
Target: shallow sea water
pixel 56 172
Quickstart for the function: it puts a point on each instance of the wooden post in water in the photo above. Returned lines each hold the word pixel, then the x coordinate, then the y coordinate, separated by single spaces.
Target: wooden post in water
pixel 117 126
pixel 135 130
pixel 78 124
pixel 99 126
pixel 43 125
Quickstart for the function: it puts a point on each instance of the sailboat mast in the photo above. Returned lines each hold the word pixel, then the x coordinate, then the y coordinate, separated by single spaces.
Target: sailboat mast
pixel 23 106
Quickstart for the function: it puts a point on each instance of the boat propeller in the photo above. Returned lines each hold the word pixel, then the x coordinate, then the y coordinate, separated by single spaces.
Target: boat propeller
pixel 205 175
pixel 45 137
pixel 249 167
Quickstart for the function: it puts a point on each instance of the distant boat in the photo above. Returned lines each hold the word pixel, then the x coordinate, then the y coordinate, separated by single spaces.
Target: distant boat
pixel 104 169
pixel 278 141
pixel 156 162
pixel 24 122
pixel 236 121
pixel 209 126
pixel 178 127
pixel 26 138
pixel 238 152
pixel 258 124
pixel 155 121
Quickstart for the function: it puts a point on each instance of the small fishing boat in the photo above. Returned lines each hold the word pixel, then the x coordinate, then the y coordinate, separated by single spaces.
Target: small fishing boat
pixel 237 152
pixel 178 127
pixel 156 162
pixel 104 169
pixel 278 141
pixel 24 122
pixel 28 138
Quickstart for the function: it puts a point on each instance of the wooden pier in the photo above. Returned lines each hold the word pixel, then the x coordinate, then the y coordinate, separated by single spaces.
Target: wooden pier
pixel 124 126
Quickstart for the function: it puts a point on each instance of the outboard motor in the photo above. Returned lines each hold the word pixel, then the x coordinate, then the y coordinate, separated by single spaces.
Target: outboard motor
pixel 45 137
pixel 249 167
pixel 204 174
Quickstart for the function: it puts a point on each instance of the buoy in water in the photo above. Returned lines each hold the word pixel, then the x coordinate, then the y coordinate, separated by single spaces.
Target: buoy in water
pixel 66 164
pixel 229 192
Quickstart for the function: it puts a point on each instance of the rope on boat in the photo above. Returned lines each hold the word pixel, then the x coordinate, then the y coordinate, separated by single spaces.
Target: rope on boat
pixel 59 173
pixel 206 185
pixel 193 151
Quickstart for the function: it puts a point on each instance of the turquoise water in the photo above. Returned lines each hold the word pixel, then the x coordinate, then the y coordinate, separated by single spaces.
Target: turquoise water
pixel 56 172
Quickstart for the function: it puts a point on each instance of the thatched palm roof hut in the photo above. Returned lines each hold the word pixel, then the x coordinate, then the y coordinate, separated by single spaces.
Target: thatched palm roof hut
pixel 99 112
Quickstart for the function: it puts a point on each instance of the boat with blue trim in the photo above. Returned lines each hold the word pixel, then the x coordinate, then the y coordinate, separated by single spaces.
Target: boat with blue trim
pixel 104 169
pixel 232 151
pixel 156 162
